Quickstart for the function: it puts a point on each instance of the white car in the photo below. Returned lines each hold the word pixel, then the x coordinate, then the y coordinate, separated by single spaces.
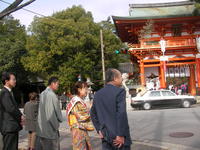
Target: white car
pixel 162 98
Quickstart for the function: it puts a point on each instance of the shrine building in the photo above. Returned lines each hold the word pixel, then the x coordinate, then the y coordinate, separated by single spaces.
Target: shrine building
pixel 164 38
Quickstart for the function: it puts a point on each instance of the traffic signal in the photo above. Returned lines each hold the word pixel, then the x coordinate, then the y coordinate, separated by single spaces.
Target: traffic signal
pixel 117 51
pixel 121 51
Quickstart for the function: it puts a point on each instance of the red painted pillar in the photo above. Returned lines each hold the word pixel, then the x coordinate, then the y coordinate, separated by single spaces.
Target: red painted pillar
pixel 198 74
pixel 142 75
pixel 162 75
pixel 192 80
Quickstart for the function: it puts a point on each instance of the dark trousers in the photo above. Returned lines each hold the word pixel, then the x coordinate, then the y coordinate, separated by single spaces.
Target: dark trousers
pixel 108 146
pixel 10 141
pixel 47 144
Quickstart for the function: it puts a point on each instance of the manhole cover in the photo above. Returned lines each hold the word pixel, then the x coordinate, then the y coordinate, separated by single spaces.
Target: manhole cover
pixel 181 134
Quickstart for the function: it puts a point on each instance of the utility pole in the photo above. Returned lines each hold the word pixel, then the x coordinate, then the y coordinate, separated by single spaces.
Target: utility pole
pixel 102 57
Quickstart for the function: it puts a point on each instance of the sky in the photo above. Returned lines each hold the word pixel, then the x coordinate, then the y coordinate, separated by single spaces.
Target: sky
pixel 101 9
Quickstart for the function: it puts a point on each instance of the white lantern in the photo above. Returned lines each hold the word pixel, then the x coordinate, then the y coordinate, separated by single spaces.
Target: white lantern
pixel 163 45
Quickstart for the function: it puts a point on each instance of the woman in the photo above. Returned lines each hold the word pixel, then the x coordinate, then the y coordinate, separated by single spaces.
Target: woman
pixel 31 112
pixel 79 118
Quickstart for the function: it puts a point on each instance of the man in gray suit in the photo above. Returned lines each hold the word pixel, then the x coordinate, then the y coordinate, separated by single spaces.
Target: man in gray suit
pixel 49 118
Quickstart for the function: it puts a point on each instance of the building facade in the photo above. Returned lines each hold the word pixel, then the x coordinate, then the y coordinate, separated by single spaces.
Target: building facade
pixel 164 38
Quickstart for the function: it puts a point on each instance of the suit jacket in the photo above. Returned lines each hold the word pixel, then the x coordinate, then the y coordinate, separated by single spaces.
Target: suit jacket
pixel 109 112
pixel 10 113
pixel 49 115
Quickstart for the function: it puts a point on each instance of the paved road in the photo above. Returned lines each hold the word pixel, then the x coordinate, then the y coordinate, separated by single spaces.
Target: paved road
pixel 156 125
pixel 151 127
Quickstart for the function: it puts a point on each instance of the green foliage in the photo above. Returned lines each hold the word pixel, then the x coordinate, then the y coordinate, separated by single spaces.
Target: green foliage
pixel 196 12
pixel 197 1
pixel 12 47
pixel 147 29
pixel 68 44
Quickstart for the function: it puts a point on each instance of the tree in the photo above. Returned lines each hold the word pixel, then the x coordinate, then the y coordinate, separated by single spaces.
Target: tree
pixel 14 7
pixel 12 47
pixel 67 44
pixel 196 11
pixel 147 29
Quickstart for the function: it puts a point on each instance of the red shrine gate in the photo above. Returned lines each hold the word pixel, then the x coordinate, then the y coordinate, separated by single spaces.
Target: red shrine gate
pixel 180 33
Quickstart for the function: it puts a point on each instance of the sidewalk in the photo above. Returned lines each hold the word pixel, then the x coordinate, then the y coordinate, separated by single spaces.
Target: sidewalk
pixel 65 142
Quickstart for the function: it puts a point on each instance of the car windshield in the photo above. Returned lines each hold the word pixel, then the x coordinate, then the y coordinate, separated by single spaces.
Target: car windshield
pixel 168 93
pixel 154 94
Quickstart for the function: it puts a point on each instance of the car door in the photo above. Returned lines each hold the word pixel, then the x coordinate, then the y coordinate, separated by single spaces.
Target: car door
pixel 170 98
pixel 155 98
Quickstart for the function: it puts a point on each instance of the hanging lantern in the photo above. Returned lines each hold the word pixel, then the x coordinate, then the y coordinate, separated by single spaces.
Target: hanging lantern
pixel 163 45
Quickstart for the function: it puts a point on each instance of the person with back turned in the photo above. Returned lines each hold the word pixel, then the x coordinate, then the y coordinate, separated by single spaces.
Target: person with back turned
pixel 10 115
pixel 109 114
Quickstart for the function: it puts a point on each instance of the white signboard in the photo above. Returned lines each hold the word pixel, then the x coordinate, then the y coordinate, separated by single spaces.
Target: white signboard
pixel 181 71
pixel 164 58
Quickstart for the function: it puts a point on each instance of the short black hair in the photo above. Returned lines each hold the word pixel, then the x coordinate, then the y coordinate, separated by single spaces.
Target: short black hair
pixel 78 85
pixel 6 76
pixel 52 80
pixel 111 74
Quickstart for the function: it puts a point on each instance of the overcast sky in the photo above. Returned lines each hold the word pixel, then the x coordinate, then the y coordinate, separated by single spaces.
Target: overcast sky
pixel 100 9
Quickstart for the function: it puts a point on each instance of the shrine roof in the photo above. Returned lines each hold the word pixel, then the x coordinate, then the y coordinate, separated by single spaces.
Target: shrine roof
pixel 156 10
pixel 148 17
pixel 161 13
pixel 167 4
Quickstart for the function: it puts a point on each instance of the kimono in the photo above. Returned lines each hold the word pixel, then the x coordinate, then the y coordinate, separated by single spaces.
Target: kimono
pixel 80 123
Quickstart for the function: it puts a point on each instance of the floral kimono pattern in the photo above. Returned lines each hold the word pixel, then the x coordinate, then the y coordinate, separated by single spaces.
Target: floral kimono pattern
pixel 80 123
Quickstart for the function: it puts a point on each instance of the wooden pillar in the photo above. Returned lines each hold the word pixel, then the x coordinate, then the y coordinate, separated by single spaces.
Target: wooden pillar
pixel 142 75
pixel 198 74
pixel 192 80
pixel 162 75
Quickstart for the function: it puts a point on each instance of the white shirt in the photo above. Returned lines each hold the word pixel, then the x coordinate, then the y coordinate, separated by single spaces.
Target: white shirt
pixel 9 89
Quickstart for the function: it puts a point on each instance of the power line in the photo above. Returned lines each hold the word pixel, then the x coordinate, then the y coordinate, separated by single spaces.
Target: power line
pixel 33 12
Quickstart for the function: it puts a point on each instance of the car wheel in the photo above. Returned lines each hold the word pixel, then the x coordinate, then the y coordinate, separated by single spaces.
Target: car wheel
pixel 186 104
pixel 147 106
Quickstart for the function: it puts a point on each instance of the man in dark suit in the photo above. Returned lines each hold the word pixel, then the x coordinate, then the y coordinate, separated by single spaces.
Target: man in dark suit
pixel 11 116
pixel 109 114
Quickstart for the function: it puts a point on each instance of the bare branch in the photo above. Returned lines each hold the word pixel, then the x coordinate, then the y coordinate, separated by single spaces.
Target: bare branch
pixel 3 14
pixel 13 5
